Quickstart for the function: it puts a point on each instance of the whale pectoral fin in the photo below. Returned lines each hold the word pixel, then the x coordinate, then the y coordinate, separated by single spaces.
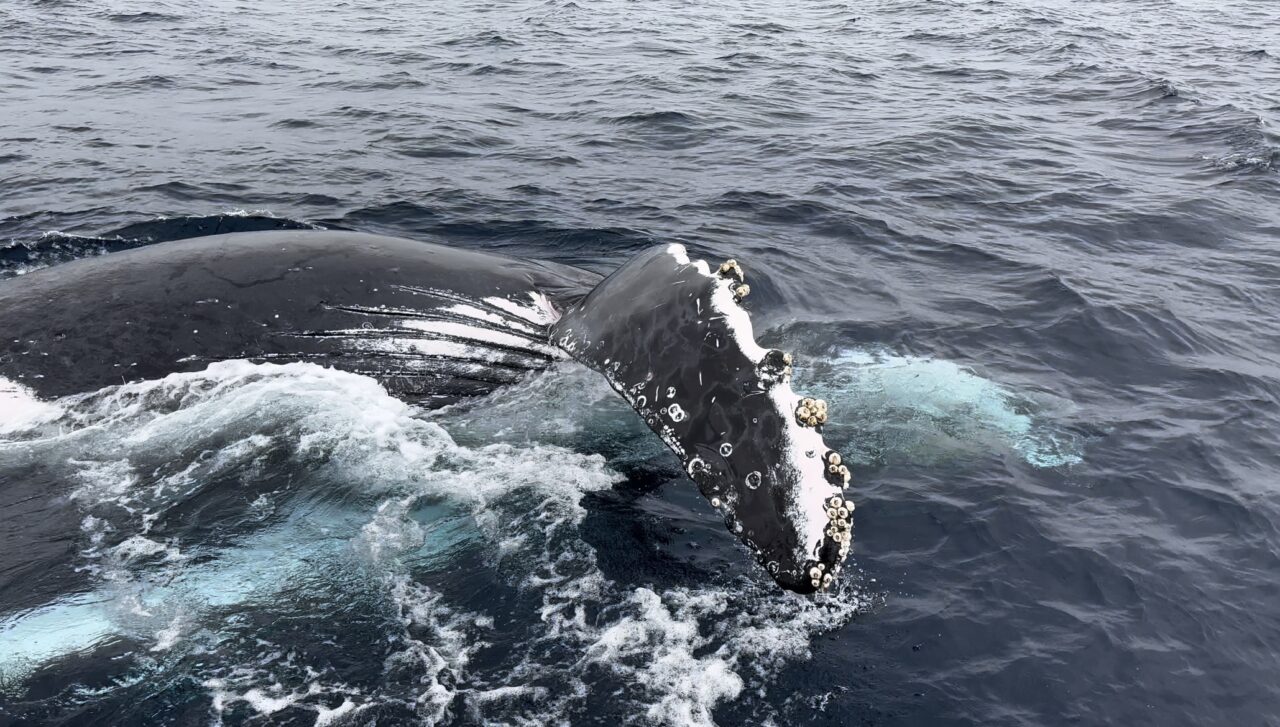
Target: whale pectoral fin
pixel 670 336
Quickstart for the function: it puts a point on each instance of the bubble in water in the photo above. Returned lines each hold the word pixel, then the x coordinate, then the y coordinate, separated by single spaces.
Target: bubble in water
pixel 753 480
pixel 726 449
pixel 676 413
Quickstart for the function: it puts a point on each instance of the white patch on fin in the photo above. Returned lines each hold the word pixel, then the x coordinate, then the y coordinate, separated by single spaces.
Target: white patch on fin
pixel 808 505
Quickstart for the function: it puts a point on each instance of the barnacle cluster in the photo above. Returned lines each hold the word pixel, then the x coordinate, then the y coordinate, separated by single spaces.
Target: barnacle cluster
pixel 840 530
pixel 819 578
pixel 774 367
pixel 738 280
pixel 811 412
pixel 837 471
pixel 731 269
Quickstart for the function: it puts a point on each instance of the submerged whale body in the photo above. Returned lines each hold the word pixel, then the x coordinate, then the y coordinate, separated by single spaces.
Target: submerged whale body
pixel 435 324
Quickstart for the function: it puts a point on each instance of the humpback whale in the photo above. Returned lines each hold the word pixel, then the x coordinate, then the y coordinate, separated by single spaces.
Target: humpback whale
pixel 435 325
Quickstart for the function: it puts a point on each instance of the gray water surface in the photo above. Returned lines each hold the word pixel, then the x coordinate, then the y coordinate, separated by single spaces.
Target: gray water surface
pixel 1028 250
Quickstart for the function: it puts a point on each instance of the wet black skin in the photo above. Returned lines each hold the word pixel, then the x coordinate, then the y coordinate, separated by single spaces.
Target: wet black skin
pixel 264 296
pixel 275 296
pixel 667 346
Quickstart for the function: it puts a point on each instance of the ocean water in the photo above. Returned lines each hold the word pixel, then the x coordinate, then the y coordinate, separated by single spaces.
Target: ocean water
pixel 1027 250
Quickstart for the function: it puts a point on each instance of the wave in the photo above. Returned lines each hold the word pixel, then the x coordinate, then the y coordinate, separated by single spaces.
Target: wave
pixel 21 256
pixel 144 17
pixel 215 512
pixel 507 227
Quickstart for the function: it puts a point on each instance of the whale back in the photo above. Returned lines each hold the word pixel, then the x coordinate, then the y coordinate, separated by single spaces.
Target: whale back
pixel 432 323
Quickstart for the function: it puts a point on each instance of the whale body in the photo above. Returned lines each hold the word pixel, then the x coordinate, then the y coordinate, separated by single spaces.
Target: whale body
pixel 435 324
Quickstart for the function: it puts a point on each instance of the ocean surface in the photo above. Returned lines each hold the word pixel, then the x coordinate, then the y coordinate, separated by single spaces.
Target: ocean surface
pixel 1029 251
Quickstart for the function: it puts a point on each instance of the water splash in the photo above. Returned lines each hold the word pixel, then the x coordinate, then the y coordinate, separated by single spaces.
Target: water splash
pixel 217 510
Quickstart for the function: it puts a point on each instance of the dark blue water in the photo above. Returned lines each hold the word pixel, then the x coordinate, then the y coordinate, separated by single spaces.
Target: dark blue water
pixel 1027 249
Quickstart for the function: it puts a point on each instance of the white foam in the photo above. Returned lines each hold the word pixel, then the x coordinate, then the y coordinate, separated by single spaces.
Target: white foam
pixel 398 487
pixel 264 700
pixel 150 591
pixel 168 637
pixel 685 687
pixel 137 546
pixel 326 716
pixel 680 652
pixel 20 408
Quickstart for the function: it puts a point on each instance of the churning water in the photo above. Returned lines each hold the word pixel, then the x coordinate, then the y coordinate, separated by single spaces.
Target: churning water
pixel 1027 250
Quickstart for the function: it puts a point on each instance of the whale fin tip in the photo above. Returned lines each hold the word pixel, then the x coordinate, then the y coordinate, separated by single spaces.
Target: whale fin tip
pixel 671 337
